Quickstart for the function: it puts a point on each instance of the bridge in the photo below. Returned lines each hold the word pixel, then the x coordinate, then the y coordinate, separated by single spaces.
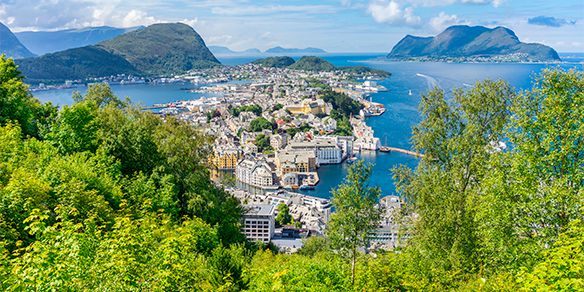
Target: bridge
pixel 400 150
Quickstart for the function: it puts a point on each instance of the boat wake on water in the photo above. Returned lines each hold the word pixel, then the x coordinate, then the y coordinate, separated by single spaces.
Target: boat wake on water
pixel 432 82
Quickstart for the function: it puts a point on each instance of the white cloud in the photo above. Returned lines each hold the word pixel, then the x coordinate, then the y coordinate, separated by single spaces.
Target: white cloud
pixel 443 20
pixel 495 3
pixel 256 10
pixel 392 12
pixel 136 18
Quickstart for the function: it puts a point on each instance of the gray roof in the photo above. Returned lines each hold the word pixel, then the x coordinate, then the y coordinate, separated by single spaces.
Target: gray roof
pixel 260 210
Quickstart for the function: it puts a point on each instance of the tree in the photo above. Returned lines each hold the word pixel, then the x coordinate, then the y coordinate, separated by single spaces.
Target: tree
pixel 455 136
pixel 263 142
pixel 18 105
pixel 356 214
pixel 260 124
pixel 283 216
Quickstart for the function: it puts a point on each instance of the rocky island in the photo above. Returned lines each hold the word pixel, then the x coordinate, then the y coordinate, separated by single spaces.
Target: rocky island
pixel 462 43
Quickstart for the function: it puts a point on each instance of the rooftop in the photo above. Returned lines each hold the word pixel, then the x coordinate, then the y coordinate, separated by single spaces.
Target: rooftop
pixel 260 210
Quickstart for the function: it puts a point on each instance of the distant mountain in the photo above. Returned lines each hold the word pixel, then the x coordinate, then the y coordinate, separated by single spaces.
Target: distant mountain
pixel 294 51
pixel 163 49
pixel 43 42
pixel 275 62
pixel 73 64
pixel 11 46
pixel 157 50
pixel 472 43
pixel 312 63
pixel 225 51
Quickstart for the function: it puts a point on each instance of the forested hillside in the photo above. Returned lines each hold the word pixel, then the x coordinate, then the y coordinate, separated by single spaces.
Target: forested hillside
pixel 100 195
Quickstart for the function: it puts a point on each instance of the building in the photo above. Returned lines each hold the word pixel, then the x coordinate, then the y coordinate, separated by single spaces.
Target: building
pixel 278 141
pixel 295 161
pixel 387 232
pixel 226 158
pixel 327 150
pixel 256 172
pixel 309 106
pixel 259 222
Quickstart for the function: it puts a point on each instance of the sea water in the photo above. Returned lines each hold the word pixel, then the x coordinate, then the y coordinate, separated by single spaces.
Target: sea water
pixel 394 128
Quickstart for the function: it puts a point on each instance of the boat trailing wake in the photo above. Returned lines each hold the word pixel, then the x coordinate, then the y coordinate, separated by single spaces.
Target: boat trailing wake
pixel 431 81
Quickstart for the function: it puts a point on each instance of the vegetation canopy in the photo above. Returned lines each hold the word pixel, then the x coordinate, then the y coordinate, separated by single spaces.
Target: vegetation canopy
pixel 100 195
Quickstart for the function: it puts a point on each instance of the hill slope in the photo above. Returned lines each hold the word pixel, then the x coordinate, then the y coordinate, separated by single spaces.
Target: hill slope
pixel 163 49
pixel 275 62
pixel 78 63
pixel 11 46
pixel 160 49
pixel 43 42
pixel 311 63
pixel 463 41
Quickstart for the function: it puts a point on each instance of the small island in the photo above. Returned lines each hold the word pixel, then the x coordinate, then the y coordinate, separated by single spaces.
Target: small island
pixel 462 43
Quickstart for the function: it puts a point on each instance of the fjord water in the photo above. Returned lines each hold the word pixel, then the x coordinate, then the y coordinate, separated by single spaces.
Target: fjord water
pixel 393 127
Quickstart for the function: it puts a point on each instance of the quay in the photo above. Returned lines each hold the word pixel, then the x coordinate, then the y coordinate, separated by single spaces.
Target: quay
pixel 400 150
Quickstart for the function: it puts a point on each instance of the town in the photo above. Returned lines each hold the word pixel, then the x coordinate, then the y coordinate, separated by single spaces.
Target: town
pixel 273 129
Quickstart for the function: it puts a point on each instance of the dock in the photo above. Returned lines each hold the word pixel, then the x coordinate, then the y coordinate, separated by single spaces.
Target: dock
pixel 400 150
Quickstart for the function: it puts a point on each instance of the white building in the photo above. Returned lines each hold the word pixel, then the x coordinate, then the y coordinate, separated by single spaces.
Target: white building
pixel 327 150
pixel 387 232
pixel 278 141
pixel 259 222
pixel 256 172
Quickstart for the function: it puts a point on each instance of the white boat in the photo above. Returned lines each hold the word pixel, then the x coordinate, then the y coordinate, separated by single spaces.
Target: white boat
pixel 410 92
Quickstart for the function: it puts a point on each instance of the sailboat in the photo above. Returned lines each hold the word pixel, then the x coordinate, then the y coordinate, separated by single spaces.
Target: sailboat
pixel 410 92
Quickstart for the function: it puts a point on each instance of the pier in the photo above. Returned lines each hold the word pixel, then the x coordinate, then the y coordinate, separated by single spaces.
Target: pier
pixel 400 150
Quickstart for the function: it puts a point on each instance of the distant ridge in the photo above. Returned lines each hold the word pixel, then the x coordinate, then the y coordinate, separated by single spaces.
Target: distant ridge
pixel 43 42
pixel 295 51
pixel 221 50
pixel 157 50
pixel 462 42
pixel 11 46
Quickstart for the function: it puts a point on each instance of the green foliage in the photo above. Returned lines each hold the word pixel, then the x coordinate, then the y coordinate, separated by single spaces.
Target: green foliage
pixel 275 62
pixel 263 143
pixel 277 107
pixel 270 272
pixel 104 196
pixel 114 199
pixel 312 63
pixel 254 108
pixel 261 123
pixel 163 49
pixel 284 217
pixel 355 215
pixel 78 63
pixel 344 127
pixel 18 105
pixel 159 49
pixel 341 102
pixel 562 268
pixel 304 127
pixel 486 216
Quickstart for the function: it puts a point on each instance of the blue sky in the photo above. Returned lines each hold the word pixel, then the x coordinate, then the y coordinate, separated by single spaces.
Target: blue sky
pixel 334 25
